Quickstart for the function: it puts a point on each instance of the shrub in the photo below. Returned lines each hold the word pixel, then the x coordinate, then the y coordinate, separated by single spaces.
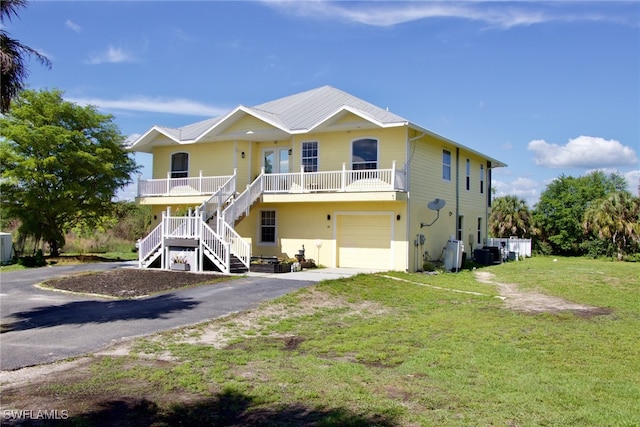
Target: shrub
pixel 36 260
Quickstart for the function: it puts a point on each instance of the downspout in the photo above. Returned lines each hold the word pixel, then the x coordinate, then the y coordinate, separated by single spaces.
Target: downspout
pixel 457 192
pixel 250 162
pixel 407 176
pixel 487 202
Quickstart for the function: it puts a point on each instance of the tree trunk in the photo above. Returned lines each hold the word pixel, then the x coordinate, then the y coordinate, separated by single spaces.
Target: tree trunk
pixel 54 250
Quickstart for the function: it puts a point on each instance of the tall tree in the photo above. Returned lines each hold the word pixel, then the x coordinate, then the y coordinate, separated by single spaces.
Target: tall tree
pixel 13 56
pixel 510 216
pixel 62 165
pixel 617 219
pixel 562 206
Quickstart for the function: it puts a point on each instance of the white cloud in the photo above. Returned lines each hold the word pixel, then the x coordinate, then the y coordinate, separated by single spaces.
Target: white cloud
pixel 386 14
pixel 524 188
pixel 583 152
pixel 155 105
pixel 113 55
pixel 72 26
pixel 633 179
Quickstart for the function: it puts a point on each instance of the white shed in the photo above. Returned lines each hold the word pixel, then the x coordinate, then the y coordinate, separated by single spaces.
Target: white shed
pixel 6 248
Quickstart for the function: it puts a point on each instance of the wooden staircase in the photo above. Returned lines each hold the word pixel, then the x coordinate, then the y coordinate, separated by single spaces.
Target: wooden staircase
pixel 209 230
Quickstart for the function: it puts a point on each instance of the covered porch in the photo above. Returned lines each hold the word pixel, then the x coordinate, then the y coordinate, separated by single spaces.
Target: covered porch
pixel 338 181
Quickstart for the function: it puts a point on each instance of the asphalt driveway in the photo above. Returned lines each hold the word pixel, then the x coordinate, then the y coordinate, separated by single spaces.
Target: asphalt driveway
pixel 41 326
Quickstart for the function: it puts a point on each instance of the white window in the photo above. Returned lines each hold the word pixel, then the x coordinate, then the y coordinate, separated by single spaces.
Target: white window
pixel 481 178
pixel 468 174
pixel 310 156
pixel 364 154
pixel 268 227
pixel 179 165
pixel 460 227
pixel 479 231
pixel 446 165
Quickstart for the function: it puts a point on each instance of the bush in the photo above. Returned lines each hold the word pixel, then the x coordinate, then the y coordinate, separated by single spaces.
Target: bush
pixel 33 261
pixel 632 257
pixel 542 248
pixel 427 266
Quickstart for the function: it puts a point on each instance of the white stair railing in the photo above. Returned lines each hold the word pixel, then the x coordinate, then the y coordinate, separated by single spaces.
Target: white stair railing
pixel 150 244
pixel 242 204
pixel 217 246
pixel 237 245
pixel 217 250
pixel 222 195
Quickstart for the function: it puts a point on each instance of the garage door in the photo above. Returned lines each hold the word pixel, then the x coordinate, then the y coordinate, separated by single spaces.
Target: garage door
pixel 364 241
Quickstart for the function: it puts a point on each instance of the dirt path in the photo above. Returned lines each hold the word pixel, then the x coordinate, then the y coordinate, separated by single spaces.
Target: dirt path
pixel 535 302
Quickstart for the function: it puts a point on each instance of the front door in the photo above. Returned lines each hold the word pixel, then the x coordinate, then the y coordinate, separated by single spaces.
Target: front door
pixel 276 160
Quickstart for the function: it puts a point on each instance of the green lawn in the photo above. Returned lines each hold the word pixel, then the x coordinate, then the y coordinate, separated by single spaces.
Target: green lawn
pixel 375 351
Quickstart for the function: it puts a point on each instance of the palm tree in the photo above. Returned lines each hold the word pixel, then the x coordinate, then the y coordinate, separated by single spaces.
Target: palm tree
pixel 510 216
pixel 13 56
pixel 616 218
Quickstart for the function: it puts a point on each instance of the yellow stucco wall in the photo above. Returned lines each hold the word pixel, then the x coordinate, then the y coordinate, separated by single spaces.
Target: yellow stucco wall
pixel 305 223
pixel 427 184
pixel 213 159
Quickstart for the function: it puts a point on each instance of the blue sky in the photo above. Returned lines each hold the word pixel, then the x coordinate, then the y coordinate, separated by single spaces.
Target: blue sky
pixel 549 88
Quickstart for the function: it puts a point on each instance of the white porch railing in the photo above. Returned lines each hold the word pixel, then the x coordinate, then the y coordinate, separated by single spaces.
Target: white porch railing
pixel 195 186
pixel 335 181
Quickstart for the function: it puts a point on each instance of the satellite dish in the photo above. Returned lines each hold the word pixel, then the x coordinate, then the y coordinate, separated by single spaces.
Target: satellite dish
pixel 436 205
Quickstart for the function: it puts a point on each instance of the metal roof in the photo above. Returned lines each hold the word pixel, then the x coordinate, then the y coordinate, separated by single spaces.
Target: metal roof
pixel 313 110
pixel 305 110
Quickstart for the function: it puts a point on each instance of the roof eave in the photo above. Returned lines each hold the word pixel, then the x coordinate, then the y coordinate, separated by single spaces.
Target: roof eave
pixel 356 112
pixel 494 162
pixel 148 137
pixel 222 123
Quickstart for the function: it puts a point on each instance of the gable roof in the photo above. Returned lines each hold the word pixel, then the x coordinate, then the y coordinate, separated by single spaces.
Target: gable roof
pixel 307 110
pixel 315 110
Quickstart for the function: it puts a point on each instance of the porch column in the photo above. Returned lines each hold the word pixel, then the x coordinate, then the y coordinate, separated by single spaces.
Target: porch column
pixel 168 183
pixel 343 184
pixel 393 175
pixel 163 248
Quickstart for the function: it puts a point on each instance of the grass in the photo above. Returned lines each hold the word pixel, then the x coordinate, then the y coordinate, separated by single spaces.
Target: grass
pixel 370 350
pixel 77 258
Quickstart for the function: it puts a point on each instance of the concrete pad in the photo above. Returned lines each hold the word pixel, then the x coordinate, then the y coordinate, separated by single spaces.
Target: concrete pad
pixel 318 274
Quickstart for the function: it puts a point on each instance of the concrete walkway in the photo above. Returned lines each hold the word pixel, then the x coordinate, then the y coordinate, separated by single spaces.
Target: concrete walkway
pixel 318 274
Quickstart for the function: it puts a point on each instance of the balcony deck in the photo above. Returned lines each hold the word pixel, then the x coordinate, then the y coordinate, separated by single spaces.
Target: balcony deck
pixel 341 181
pixel 197 186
